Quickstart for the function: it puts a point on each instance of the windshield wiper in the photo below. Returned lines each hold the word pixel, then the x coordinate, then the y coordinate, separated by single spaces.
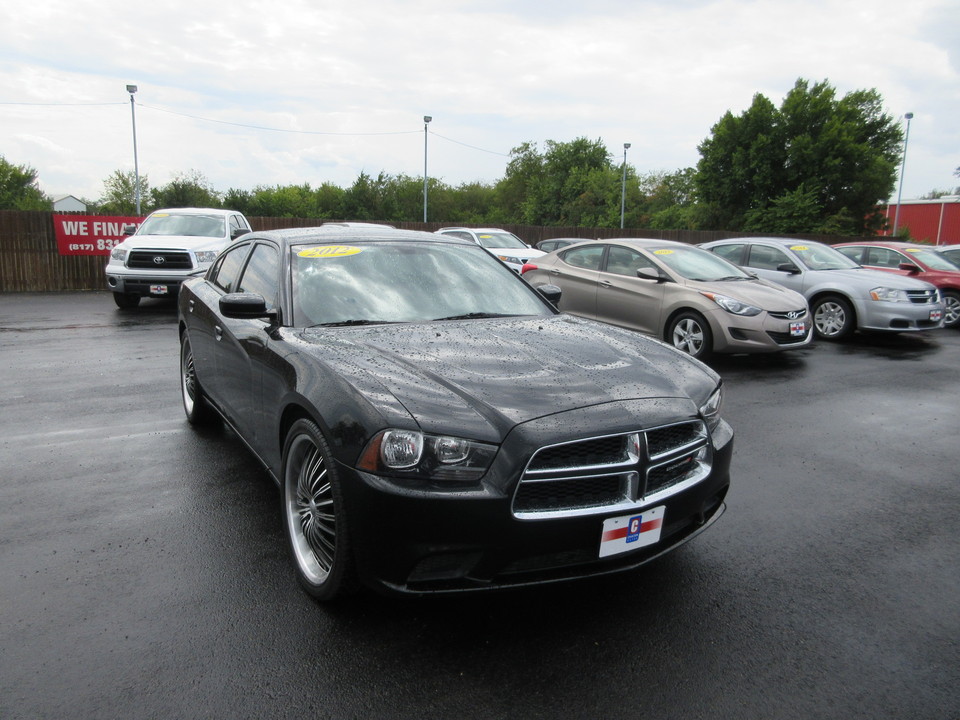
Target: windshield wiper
pixel 471 316
pixel 732 277
pixel 349 323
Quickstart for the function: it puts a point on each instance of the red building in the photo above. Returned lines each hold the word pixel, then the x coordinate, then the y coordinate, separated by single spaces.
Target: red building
pixel 930 221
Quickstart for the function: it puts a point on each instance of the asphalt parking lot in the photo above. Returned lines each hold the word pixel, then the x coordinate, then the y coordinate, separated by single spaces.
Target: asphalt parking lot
pixel 144 573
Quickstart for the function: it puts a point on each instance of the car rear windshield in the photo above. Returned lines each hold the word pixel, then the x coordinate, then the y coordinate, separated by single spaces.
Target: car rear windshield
pixel 388 282
pixel 189 225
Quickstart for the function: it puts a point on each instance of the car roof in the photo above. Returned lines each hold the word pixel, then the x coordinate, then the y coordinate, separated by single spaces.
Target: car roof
pixel 476 229
pixel 196 211
pixel 644 243
pixel 892 244
pixel 352 233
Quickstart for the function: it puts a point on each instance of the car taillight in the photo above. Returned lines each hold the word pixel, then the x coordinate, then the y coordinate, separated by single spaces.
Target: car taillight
pixel 528 266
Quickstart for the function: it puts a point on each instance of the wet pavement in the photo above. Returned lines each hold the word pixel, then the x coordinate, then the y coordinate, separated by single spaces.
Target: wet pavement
pixel 144 572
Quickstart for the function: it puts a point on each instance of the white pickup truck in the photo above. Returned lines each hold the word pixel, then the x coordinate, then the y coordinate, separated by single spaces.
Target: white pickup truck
pixel 167 248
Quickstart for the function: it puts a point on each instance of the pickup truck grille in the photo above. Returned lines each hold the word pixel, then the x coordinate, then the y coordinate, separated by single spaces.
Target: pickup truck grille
pixel 159 260
pixel 625 471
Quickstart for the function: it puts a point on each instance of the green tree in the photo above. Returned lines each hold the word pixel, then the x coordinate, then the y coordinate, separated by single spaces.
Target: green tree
pixel 119 196
pixel 817 162
pixel 19 189
pixel 190 189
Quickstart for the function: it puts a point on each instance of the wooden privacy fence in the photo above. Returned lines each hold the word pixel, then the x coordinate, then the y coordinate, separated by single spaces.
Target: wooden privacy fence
pixel 30 262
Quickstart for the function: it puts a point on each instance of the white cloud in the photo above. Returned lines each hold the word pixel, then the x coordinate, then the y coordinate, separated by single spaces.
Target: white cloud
pixel 351 82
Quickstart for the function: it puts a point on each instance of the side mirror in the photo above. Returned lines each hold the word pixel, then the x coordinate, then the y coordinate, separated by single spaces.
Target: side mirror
pixel 129 229
pixel 650 274
pixel 789 268
pixel 237 232
pixel 246 306
pixel 909 267
pixel 550 293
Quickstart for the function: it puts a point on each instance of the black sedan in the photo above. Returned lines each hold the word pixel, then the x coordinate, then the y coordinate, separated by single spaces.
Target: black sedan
pixel 434 423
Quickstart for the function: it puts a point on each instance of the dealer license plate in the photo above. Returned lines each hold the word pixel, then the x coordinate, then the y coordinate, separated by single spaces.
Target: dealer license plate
pixel 798 329
pixel 935 315
pixel 158 290
pixel 629 532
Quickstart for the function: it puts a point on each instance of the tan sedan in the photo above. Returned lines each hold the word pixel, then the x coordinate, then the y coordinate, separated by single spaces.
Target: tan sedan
pixel 689 297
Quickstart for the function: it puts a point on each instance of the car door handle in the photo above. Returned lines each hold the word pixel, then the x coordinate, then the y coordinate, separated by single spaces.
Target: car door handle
pixel 218 332
pixel 606 283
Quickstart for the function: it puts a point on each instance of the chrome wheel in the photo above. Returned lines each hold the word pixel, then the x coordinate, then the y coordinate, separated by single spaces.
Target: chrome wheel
pixel 691 334
pixel 832 318
pixel 194 404
pixel 951 310
pixel 313 514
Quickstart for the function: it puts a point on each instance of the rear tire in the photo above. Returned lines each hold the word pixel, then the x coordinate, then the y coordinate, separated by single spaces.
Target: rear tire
pixel 314 515
pixel 833 318
pixel 690 332
pixel 126 301
pixel 195 405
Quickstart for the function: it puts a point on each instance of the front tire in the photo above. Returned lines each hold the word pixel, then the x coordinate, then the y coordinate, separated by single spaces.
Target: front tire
pixel 690 332
pixel 951 308
pixel 126 301
pixel 833 318
pixel 314 514
pixel 195 405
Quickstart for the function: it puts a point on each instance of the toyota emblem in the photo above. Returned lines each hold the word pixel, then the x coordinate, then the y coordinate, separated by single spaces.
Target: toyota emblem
pixel 159 260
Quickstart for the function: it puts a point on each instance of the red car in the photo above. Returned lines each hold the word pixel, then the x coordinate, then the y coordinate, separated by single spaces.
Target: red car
pixel 920 261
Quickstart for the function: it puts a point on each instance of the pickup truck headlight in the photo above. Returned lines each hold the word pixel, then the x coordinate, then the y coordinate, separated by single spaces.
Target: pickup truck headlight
pixel 732 305
pixel 413 454
pixel 118 254
pixel 205 257
pixel 888 295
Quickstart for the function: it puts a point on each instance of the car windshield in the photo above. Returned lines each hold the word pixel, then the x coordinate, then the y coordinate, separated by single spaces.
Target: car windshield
pixel 822 257
pixel 500 240
pixel 190 225
pixel 695 264
pixel 932 259
pixel 390 282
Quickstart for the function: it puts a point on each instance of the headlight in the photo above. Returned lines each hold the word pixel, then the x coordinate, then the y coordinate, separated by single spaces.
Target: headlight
pixel 710 410
pixel 205 257
pixel 889 295
pixel 119 254
pixel 413 454
pixel 511 259
pixel 731 305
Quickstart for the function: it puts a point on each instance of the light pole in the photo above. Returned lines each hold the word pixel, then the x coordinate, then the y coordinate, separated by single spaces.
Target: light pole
pixel 906 139
pixel 623 185
pixel 426 121
pixel 136 167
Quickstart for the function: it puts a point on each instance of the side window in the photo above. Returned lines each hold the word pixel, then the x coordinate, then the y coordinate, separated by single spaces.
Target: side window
pixel 883 257
pixel 227 269
pixel 733 253
pixel 262 274
pixel 854 253
pixel 764 257
pixel 460 234
pixel 584 257
pixel 624 261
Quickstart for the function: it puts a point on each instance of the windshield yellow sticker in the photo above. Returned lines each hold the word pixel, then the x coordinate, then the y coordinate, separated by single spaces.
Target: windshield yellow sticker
pixel 663 252
pixel 330 251
pixel 799 248
pixel 914 249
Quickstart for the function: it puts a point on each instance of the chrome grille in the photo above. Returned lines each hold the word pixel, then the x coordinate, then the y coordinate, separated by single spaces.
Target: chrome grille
pixel 791 315
pixel 922 297
pixel 159 260
pixel 607 473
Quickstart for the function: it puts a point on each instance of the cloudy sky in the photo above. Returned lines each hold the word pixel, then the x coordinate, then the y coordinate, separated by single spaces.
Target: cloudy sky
pixel 251 92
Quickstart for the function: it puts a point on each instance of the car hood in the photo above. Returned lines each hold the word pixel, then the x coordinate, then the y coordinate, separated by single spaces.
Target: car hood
pixel 172 242
pixel 765 295
pixel 482 377
pixel 866 279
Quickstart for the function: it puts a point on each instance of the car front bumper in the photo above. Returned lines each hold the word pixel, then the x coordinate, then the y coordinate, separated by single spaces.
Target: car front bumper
pixel 414 542
pixel 899 316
